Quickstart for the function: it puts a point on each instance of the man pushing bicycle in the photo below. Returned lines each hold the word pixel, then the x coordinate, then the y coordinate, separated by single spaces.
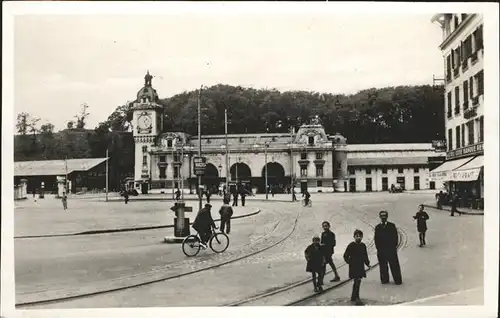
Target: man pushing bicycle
pixel 203 224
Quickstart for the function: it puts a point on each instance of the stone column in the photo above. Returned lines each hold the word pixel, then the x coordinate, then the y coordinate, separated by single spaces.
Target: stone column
pixel 24 189
pixel 340 172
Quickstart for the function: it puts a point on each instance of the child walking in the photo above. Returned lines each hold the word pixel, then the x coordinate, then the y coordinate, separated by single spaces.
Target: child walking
pixel 357 257
pixel 315 260
pixel 421 218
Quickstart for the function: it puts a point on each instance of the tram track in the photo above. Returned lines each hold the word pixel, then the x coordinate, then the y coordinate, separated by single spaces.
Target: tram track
pixel 163 279
pixel 402 243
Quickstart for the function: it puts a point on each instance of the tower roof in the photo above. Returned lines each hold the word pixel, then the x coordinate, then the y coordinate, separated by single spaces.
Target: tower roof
pixel 147 93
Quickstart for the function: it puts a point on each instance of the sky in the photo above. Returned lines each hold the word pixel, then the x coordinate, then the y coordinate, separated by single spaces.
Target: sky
pixel 62 61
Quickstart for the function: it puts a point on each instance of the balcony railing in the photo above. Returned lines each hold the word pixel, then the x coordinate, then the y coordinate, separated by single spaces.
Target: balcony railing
pixel 475 100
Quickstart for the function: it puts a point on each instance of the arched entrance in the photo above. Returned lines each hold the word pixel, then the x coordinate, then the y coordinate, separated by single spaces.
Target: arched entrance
pixel 275 177
pixel 241 175
pixel 211 177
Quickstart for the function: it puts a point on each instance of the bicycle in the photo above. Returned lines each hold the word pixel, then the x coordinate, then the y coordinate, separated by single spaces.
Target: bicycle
pixel 309 204
pixel 218 242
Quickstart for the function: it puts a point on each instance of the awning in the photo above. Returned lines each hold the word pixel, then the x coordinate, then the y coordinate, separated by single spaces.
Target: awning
pixel 469 171
pixel 443 172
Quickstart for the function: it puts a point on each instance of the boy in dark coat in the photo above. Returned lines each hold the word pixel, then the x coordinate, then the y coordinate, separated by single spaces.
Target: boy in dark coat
pixel 328 242
pixel 386 242
pixel 315 261
pixel 357 257
pixel 421 218
pixel 203 224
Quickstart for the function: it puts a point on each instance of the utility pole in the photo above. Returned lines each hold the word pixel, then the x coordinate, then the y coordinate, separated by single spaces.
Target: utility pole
pixel 292 164
pixel 66 177
pixel 107 172
pixel 227 148
pixel 199 148
pixel 265 166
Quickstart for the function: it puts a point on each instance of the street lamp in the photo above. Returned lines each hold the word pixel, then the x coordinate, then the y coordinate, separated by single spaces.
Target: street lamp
pixel 220 171
pixel 199 146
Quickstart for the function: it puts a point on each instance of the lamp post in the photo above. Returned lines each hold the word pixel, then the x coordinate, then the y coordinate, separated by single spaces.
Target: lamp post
pixel 227 149
pixel 199 147
pixel 266 144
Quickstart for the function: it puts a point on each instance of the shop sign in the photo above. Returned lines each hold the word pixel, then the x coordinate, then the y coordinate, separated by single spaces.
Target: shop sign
pixel 472 150
pixel 465 175
pixel 200 164
pixel 439 144
pixel 439 176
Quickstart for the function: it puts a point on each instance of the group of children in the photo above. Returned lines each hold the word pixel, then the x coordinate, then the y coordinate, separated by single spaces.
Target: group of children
pixel 320 253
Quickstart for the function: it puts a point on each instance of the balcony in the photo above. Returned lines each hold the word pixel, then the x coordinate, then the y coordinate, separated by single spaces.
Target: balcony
pixel 162 164
pixel 474 57
pixel 471 112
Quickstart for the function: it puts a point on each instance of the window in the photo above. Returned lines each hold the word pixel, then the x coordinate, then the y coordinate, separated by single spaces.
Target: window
pixel 163 171
pixel 466 95
pixel 368 171
pixel 478 38
pixel 319 171
pixel 457 100
pixel 176 157
pixel 463 135
pixel 385 184
pixel 448 100
pixel 162 158
pixel 169 143
pixel 144 160
pixel 457 136
pixel 303 156
pixel 319 183
pixel 448 67
pixel 319 155
pixel 463 15
pixel 351 170
pixel 416 170
pixel 303 172
pixel 384 170
pixel 480 83
pixel 470 128
pixel 455 22
pixel 311 140
pixel 400 170
pixel 176 172
pixel 144 148
pixel 481 129
pixel 450 139
pixel 471 87
pixel 368 184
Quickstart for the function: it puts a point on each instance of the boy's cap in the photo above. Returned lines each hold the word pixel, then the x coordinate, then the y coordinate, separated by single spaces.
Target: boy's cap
pixel 208 205
pixel 383 213
pixel 315 237
pixel 356 232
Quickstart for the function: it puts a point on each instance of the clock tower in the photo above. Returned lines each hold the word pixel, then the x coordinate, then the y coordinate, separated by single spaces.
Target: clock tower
pixel 147 123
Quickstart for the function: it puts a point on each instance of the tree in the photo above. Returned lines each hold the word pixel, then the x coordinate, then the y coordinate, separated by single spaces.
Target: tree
pixel 82 116
pixel 22 124
pixel 70 124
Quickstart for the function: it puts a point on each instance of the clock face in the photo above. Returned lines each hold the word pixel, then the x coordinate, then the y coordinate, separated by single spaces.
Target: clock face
pixel 144 122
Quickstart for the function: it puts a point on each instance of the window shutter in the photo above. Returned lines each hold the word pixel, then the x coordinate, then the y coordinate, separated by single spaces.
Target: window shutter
pixel 471 87
pixel 462 51
pixel 480 86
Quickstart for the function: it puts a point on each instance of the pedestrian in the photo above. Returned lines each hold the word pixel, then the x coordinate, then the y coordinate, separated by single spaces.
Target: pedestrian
pixel 386 242
pixel 454 204
pixel 226 212
pixel 328 242
pixel 315 261
pixel 243 196
pixel 125 196
pixel 208 194
pixel 357 257
pixel 64 201
pixel 421 218
pixel 294 196
pixel 439 200
pixel 273 191
pixel 235 197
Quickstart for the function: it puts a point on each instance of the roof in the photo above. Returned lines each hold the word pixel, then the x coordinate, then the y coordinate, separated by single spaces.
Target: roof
pixel 391 161
pixel 54 167
pixel 389 147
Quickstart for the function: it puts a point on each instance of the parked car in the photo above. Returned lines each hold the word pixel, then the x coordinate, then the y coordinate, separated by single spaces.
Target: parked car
pixel 397 188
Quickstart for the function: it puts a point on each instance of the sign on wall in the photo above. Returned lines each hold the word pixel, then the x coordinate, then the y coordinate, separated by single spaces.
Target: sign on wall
pixel 472 150
pixel 199 165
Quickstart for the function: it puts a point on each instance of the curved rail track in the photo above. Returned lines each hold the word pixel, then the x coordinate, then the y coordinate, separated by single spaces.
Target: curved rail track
pixel 163 279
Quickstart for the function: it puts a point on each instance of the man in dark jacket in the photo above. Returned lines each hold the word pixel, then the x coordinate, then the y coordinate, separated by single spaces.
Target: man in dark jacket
pixel 235 197
pixel 386 242
pixel 454 204
pixel 204 223
pixel 226 212
pixel 243 194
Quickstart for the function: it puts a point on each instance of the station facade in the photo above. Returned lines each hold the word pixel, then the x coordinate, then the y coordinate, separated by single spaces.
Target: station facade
pixel 307 158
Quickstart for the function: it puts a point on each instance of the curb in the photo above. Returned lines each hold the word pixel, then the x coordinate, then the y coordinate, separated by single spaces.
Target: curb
pixel 130 229
pixel 187 199
pixel 449 210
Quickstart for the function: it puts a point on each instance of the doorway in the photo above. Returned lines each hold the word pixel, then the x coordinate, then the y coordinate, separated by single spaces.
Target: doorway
pixel 352 185
pixel 144 188
pixel 385 184
pixel 369 184
pixel 416 183
pixel 303 186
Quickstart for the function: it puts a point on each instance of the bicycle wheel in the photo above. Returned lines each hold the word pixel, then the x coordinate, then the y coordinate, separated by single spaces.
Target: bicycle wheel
pixel 219 242
pixel 191 245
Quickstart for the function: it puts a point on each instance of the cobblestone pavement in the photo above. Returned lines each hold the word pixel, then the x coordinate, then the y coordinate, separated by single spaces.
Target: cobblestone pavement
pixel 451 261
pixel 46 217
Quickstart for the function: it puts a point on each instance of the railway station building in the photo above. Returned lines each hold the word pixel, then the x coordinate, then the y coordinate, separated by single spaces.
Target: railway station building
pixel 307 158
